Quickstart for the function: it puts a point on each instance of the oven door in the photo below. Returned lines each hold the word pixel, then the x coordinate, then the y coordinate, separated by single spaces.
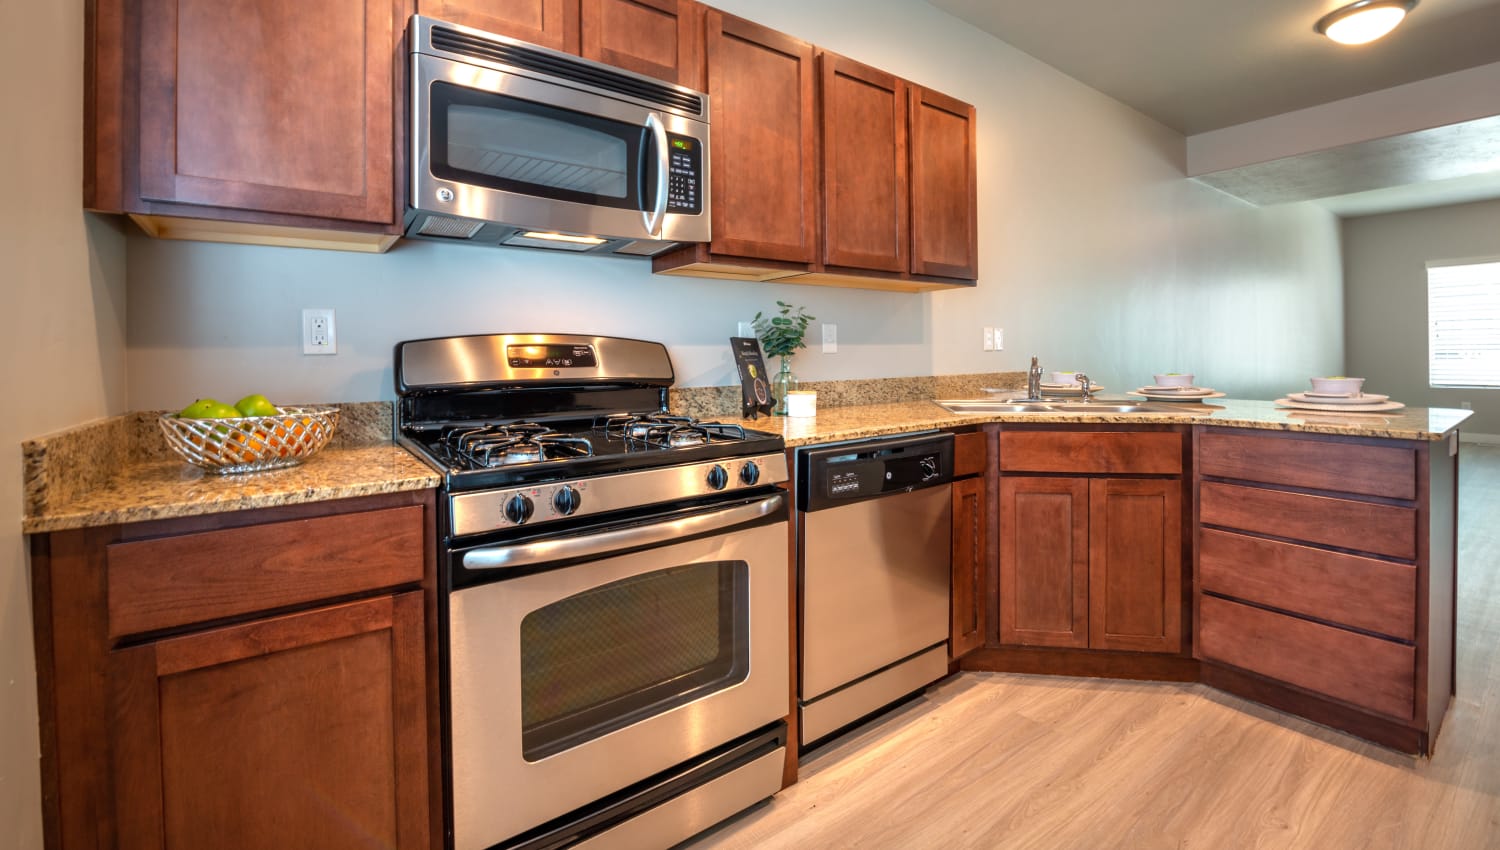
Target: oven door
pixel 495 146
pixel 648 645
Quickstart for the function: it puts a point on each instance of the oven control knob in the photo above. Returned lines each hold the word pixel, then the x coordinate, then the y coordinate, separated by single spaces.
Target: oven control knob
pixel 750 473
pixel 718 477
pixel 518 509
pixel 566 500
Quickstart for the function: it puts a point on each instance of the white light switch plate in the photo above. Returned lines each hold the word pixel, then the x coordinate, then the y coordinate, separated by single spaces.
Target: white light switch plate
pixel 830 339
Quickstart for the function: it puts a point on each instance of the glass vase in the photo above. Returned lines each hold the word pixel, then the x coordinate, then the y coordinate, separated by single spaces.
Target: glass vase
pixel 782 383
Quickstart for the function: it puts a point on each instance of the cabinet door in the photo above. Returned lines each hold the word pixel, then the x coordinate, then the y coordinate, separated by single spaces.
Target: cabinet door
pixel 550 23
pixel 760 84
pixel 966 632
pixel 944 199
pixel 1044 561
pixel 1135 565
pixel 864 166
pixel 306 730
pixel 658 38
pixel 270 105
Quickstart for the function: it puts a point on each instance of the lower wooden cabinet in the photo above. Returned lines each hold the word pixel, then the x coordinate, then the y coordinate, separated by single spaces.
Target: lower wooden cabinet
pixel 970 543
pixel 1091 563
pixel 255 735
pixel 255 679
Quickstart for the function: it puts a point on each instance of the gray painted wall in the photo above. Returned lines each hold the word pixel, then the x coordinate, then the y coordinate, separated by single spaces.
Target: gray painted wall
pixel 62 322
pixel 1096 254
pixel 1385 319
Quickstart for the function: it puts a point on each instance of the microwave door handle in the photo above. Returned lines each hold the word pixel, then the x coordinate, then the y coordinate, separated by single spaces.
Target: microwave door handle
pixel 526 554
pixel 653 218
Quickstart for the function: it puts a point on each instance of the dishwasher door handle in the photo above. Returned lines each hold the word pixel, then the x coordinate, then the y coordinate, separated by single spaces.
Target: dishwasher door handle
pixel 607 542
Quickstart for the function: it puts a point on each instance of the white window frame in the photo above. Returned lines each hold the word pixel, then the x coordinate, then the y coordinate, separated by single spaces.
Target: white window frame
pixel 1463 324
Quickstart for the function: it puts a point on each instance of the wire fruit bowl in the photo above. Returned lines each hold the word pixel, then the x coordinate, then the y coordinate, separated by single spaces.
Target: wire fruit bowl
pixel 251 443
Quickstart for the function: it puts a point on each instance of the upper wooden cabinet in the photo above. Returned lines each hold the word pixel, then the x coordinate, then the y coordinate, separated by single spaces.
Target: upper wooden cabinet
pixel 550 23
pixel 864 182
pixel 887 153
pixel 658 38
pixel 267 112
pixel 944 188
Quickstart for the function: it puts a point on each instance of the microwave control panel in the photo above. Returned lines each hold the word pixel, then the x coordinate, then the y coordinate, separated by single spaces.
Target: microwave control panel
pixel 685 177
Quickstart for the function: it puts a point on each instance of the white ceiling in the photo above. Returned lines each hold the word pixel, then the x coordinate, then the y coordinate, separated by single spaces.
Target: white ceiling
pixel 1203 65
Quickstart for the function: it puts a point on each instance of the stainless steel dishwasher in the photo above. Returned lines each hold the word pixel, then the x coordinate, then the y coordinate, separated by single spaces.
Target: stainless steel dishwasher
pixel 874 537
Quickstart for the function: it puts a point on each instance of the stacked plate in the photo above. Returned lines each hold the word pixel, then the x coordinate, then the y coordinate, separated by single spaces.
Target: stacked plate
pixel 1339 402
pixel 1074 388
pixel 1157 392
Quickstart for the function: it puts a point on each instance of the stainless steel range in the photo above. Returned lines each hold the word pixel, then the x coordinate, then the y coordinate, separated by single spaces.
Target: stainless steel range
pixel 613 617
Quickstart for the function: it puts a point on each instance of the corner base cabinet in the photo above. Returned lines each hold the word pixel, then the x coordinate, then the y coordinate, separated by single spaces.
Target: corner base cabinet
pixel 245 680
pixel 1325 578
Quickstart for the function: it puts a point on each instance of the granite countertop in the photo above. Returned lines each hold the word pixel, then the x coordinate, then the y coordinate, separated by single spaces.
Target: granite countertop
pixel 872 420
pixel 75 479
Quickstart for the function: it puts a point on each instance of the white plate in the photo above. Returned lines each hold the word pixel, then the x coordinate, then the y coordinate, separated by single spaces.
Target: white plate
pixel 1146 392
pixel 1340 408
pixel 1315 398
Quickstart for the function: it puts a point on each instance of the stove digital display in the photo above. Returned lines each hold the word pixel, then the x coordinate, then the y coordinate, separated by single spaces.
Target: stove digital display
pixel 550 356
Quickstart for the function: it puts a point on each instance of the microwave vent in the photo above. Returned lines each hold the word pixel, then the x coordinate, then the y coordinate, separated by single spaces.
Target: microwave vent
pixel 517 56
pixel 453 228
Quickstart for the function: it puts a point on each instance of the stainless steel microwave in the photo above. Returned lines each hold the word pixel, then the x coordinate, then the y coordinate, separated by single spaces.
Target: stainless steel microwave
pixel 515 144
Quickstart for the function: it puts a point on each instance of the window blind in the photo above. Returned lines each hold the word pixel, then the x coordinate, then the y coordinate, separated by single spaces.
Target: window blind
pixel 1463 316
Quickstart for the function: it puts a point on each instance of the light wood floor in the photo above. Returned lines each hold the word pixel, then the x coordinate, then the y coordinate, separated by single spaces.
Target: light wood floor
pixel 1008 761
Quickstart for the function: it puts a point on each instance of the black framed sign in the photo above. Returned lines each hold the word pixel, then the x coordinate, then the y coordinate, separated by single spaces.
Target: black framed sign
pixel 755 382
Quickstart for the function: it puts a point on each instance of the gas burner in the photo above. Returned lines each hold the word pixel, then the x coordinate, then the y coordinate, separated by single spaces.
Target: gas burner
pixel 664 431
pixel 485 446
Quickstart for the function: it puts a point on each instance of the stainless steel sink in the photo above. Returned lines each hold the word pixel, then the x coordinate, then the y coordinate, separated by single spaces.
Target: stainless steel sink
pixel 982 405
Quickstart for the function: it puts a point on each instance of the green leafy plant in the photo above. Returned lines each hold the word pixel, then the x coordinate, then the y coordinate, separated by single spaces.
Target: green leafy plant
pixel 782 335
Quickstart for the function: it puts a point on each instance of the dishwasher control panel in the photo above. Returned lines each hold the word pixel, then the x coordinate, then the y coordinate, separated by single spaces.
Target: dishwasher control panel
pixel 832 475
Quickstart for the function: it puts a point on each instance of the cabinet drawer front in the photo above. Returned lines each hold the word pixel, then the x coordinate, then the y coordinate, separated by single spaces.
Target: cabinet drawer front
pixel 191 578
pixel 1364 593
pixel 969 454
pixel 1388 471
pixel 1364 527
pixel 1376 674
pixel 1158 453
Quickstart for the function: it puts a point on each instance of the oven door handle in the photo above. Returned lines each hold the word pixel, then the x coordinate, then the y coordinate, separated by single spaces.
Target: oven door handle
pixel 527 554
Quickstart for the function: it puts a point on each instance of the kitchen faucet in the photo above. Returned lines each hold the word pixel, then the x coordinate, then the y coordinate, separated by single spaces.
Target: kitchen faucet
pixel 1034 381
pixel 1086 389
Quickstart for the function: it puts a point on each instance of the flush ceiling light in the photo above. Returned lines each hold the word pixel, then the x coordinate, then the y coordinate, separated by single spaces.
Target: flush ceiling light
pixel 1364 21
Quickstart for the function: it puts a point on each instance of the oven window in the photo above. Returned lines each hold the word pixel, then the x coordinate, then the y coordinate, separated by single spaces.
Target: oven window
pixel 617 654
pixel 515 145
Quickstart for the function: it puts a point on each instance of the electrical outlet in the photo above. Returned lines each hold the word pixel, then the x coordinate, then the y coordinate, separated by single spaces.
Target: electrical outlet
pixel 999 339
pixel 318 335
pixel 989 339
pixel 1466 405
pixel 746 329
pixel 830 339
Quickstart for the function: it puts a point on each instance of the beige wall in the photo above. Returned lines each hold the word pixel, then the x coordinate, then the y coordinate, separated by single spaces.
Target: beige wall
pixel 1096 254
pixel 1385 283
pixel 62 322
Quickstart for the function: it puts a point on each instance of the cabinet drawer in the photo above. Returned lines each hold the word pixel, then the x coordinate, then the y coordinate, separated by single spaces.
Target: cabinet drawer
pixel 1389 471
pixel 191 578
pixel 1375 674
pixel 969 454
pixel 1344 523
pixel 1363 593
pixel 1091 452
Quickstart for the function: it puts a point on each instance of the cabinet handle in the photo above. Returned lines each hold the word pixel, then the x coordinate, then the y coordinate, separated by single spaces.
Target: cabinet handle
pixel 527 554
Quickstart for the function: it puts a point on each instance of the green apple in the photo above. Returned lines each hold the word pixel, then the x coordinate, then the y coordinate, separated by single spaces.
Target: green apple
pixel 256 405
pixel 205 408
pixel 224 411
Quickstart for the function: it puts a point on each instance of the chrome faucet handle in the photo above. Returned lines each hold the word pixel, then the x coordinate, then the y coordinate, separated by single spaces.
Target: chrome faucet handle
pixel 1034 380
pixel 1086 389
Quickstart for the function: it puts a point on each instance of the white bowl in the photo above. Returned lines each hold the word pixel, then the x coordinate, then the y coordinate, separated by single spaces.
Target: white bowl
pixel 1064 377
pixel 1174 379
pixel 1339 385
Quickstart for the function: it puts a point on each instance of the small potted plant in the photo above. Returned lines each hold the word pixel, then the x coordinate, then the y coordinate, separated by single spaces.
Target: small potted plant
pixel 781 336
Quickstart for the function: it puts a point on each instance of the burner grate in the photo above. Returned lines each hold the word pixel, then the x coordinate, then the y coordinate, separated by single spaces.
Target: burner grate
pixel 491 445
pixel 670 432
